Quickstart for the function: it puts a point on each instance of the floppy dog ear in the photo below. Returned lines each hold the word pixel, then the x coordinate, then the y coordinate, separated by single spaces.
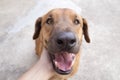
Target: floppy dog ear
pixel 37 28
pixel 85 31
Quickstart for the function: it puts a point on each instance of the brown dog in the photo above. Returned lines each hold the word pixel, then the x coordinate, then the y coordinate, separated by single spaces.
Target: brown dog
pixel 60 31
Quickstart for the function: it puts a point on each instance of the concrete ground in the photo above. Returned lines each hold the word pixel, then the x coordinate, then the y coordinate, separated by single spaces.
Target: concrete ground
pixel 100 60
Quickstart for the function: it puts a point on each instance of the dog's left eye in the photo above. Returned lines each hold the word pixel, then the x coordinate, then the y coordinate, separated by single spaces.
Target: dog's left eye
pixel 49 21
pixel 76 21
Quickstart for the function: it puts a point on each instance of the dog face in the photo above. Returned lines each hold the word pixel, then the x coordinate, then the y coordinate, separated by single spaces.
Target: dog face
pixel 60 31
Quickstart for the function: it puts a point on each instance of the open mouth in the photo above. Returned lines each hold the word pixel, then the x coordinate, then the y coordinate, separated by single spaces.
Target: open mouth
pixel 63 62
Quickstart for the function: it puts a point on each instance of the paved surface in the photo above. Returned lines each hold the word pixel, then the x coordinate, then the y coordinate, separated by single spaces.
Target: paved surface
pixel 100 60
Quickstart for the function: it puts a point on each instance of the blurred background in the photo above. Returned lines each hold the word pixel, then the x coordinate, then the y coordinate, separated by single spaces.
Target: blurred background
pixel 100 60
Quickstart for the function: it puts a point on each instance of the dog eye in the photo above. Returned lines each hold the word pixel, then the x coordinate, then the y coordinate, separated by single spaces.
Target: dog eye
pixel 76 21
pixel 49 21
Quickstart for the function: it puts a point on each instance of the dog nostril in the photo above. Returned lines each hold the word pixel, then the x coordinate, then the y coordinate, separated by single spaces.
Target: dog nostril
pixel 59 42
pixel 72 41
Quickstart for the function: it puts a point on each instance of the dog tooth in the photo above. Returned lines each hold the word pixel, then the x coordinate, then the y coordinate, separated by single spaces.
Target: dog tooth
pixel 56 63
pixel 73 62
pixel 73 55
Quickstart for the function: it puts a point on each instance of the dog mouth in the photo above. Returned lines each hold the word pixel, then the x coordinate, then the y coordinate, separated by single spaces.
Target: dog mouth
pixel 63 62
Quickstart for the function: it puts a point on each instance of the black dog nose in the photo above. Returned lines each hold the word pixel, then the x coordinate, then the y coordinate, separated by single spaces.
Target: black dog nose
pixel 66 39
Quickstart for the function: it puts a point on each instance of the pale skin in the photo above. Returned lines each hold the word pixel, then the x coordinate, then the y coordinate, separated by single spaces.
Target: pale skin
pixel 42 70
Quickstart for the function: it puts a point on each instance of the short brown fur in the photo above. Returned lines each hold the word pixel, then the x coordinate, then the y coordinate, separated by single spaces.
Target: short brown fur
pixel 43 33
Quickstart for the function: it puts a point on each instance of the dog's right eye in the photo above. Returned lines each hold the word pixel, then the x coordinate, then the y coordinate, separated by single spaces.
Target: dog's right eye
pixel 49 21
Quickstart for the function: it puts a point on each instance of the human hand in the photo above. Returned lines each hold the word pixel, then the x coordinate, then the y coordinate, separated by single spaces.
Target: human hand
pixel 42 70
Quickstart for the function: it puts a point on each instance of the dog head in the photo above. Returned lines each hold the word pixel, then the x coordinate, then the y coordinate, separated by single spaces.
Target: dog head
pixel 60 31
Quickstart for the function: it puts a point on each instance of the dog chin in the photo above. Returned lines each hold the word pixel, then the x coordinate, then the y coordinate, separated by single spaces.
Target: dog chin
pixel 63 62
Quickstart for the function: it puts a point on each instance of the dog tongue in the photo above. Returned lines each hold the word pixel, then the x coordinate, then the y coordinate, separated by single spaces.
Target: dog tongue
pixel 64 61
